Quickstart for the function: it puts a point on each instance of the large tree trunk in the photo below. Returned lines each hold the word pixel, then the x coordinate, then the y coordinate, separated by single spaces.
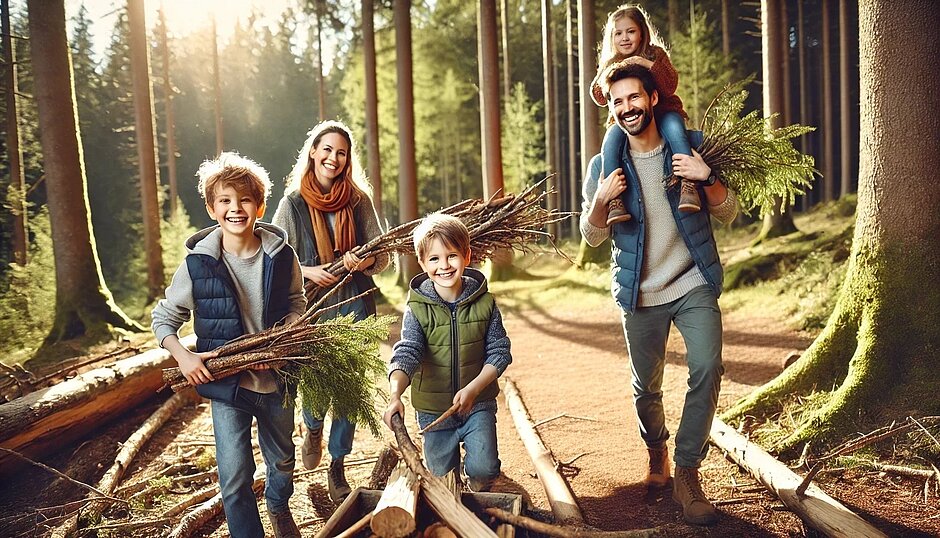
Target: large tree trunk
pixel 772 44
pixel 146 134
pixel 828 123
pixel 590 137
pixel 551 130
pixel 84 305
pixel 804 94
pixel 14 154
pixel 504 27
pixel 170 120
pixel 407 166
pixel 372 105
pixel 321 88
pixel 879 347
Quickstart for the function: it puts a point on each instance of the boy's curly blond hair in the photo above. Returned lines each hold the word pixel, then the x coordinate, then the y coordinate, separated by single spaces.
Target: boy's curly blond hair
pixel 232 170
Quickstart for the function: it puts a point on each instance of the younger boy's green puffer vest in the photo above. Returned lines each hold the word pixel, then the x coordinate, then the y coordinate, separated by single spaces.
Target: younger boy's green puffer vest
pixel 445 371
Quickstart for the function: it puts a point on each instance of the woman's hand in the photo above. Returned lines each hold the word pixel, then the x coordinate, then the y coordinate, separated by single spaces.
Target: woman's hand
pixel 354 263
pixel 638 60
pixel 319 275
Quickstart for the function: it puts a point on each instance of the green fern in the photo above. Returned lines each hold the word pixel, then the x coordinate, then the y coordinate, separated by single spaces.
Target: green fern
pixel 754 159
pixel 342 380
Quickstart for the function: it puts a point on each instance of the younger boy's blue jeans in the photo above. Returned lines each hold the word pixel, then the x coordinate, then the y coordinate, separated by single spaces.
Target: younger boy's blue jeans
pixel 478 434
pixel 231 423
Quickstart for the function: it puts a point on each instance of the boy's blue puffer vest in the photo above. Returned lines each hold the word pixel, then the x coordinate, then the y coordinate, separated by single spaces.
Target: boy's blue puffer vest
pixel 307 248
pixel 217 318
pixel 628 237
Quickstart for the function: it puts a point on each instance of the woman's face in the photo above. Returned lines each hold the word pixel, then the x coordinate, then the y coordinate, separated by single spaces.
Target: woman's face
pixel 329 157
pixel 627 36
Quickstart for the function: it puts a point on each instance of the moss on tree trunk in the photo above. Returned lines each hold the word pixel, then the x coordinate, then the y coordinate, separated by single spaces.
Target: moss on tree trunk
pixel 876 360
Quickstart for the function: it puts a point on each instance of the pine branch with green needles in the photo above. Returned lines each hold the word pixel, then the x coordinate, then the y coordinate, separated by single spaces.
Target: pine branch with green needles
pixel 754 159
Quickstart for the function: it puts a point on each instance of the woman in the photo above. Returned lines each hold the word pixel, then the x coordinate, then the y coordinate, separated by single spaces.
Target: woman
pixel 326 211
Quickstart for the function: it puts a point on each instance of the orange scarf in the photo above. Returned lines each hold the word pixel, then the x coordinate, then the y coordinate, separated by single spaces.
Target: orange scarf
pixel 337 201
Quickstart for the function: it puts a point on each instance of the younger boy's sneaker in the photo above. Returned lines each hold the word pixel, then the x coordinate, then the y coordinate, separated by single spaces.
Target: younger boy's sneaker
pixel 311 452
pixel 336 481
pixel 283 523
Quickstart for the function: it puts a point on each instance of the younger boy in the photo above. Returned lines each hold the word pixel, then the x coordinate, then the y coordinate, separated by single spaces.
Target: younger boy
pixel 453 347
pixel 239 277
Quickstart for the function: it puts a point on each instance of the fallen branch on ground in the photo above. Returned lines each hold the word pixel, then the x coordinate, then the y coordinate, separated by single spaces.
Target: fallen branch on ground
pixel 194 520
pixel 560 497
pixel 561 531
pixel 816 508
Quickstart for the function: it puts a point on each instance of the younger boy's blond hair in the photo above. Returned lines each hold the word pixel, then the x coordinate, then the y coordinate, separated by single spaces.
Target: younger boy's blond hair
pixel 449 229
pixel 232 170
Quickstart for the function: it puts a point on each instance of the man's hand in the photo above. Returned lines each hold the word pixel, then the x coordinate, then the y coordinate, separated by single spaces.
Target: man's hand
pixel 319 275
pixel 690 167
pixel 193 367
pixel 394 406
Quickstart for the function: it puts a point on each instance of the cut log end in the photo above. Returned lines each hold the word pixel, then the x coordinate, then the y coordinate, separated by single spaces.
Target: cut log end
pixel 393 522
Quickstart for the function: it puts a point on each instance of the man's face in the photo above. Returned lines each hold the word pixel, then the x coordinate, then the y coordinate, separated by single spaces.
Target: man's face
pixel 631 106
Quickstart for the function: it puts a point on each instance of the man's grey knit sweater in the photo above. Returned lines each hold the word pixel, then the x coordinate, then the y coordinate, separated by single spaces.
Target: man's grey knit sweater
pixel 668 271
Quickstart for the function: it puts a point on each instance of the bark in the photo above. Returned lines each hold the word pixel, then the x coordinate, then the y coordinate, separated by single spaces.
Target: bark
pixel 813 506
pixel 13 151
pixel 386 463
pixel 42 422
pixel 394 515
pixel 170 120
pixel 84 305
pixel 828 123
pixel 436 493
pixel 804 94
pixel 372 105
pixel 876 357
pixel 217 93
pixel 845 86
pixel 129 449
pixel 780 222
pixel 560 497
pixel 504 27
pixel 146 134
pixel 551 130
pixel 407 165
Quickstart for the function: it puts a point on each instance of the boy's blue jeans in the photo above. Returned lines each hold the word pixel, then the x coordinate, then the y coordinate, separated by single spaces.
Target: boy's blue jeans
pixel 478 433
pixel 342 432
pixel 698 319
pixel 231 423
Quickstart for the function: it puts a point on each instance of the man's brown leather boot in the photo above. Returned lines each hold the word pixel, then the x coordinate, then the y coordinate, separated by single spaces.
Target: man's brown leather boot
pixel 687 491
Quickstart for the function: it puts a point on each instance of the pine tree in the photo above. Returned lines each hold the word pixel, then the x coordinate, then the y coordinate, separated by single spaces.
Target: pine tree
pixel 522 142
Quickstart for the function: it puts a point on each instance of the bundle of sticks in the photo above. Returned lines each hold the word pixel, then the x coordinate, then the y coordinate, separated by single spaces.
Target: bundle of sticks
pixel 514 221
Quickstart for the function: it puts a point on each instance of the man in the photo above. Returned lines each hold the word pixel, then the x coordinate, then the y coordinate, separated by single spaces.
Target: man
pixel 665 270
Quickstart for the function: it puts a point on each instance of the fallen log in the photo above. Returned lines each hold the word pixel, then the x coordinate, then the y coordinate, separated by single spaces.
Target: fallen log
pixel 560 531
pixel 41 422
pixel 394 516
pixel 814 507
pixel 438 496
pixel 560 497
pixel 108 483
pixel 388 460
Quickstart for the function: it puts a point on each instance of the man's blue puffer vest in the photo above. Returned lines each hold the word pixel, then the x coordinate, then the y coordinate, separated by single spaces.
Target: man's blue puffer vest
pixel 217 318
pixel 628 237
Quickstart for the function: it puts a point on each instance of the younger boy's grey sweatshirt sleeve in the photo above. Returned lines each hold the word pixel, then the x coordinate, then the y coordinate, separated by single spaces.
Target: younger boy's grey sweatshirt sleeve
pixel 175 309
pixel 407 352
pixel 497 343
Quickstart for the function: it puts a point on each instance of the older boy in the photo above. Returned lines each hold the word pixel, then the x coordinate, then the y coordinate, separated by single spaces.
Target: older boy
pixel 239 277
pixel 453 347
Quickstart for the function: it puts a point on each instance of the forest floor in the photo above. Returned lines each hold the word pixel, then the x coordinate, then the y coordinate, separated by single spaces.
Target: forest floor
pixel 571 367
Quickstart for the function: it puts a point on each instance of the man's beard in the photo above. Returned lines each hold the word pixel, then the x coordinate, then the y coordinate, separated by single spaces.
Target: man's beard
pixel 646 116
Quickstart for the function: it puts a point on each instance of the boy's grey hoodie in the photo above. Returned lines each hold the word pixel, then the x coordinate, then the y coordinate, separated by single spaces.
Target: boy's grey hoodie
pixel 408 351
pixel 176 308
